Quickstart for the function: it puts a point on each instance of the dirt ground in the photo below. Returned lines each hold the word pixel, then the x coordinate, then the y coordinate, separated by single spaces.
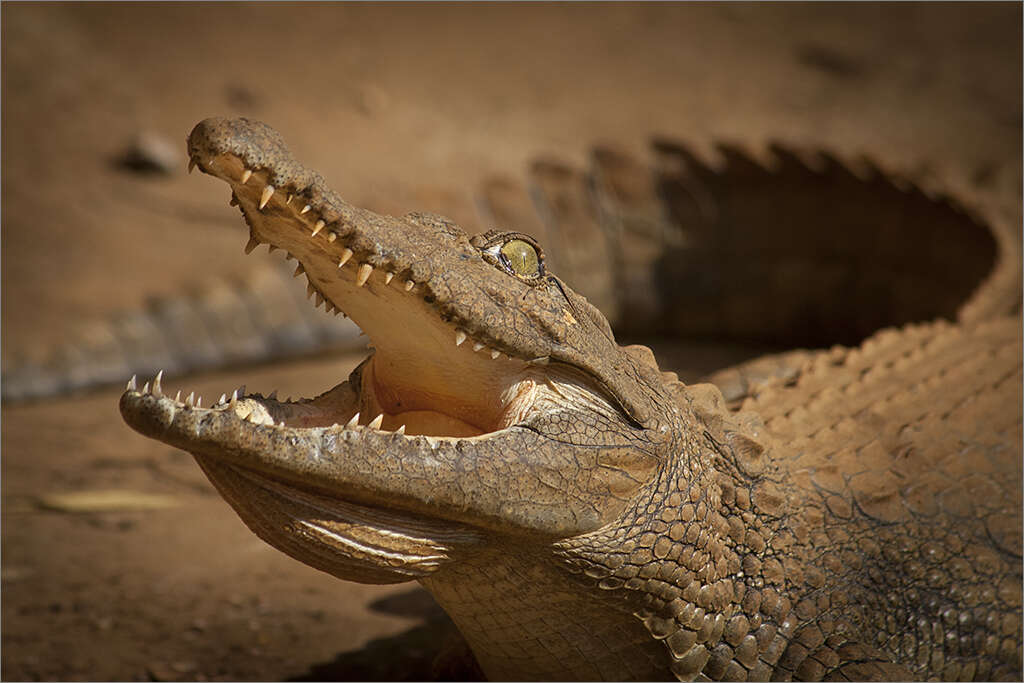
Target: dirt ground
pixel 401 107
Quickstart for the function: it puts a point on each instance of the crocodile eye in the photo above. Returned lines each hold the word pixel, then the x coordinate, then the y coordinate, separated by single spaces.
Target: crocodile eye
pixel 521 258
pixel 513 252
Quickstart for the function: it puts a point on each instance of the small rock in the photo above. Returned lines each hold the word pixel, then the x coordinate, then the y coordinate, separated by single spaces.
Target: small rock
pixel 149 152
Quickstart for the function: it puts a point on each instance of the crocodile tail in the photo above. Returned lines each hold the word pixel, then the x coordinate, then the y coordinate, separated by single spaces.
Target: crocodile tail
pixel 256 318
pixel 787 248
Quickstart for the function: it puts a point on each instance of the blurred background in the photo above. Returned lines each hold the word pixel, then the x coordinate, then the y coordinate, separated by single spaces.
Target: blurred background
pixel 401 107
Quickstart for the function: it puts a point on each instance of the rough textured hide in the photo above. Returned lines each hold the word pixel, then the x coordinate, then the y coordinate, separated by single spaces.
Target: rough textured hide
pixel 857 517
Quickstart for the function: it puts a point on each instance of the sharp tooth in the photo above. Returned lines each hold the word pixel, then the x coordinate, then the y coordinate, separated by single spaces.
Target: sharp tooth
pixel 331 237
pixel 299 270
pixel 495 353
pixel 376 422
pixel 388 277
pixel 319 299
pixel 131 384
pixel 268 192
pixel 433 442
pixel 145 388
pixel 354 422
pixel 460 337
pixel 318 227
pixel 157 389
pixel 400 430
pixel 246 174
pixel 305 209
pixel 288 199
pixel 177 396
pixel 190 400
pixel 234 397
pixel 345 256
pixel 309 289
pixel 477 346
pixel 241 390
pixel 199 402
pixel 364 274
pixel 252 244
pixel 191 164
pixel 409 284
pixel 223 399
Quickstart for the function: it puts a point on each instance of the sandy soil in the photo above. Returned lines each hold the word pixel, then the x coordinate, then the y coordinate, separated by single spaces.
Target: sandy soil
pixel 401 108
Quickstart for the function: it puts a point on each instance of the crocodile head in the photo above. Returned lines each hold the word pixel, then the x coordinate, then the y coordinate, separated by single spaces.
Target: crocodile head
pixel 495 400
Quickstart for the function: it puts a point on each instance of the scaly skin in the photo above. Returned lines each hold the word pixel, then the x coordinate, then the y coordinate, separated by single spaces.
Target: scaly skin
pixel 581 514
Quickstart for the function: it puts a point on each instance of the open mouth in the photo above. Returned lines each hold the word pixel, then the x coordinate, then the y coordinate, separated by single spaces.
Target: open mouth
pixel 430 374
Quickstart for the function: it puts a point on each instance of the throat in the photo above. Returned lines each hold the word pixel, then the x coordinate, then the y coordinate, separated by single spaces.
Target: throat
pixel 503 617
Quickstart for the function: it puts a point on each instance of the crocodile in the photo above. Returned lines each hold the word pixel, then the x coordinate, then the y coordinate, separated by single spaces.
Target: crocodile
pixel 581 513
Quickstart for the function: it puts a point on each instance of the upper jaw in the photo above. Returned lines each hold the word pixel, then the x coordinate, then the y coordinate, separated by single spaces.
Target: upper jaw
pixel 450 290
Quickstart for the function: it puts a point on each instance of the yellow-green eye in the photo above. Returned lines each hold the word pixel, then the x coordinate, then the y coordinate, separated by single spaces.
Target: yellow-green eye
pixel 521 257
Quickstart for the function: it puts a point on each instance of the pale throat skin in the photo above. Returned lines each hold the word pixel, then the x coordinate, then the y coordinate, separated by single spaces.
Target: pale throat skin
pixel 581 514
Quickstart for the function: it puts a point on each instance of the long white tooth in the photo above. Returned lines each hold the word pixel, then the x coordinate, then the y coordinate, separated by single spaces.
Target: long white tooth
pixel 145 388
pixel 190 400
pixel 376 422
pixel 131 384
pixel 246 174
pixel 460 337
pixel 251 244
pixel 345 256
pixel 199 402
pixel 157 389
pixel 318 227
pixel 351 424
pixel 364 274
pixel 177 397
pixel 268 192
pixel 388 277
pixel 433 442
pixel 400 430
pixel 288 199
pixel 191 164
pixel 234 397
pixel 305 209
pixel 477 346
pixel 495 353
pixel 223 399
pixel 299 270
pixel 409 284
